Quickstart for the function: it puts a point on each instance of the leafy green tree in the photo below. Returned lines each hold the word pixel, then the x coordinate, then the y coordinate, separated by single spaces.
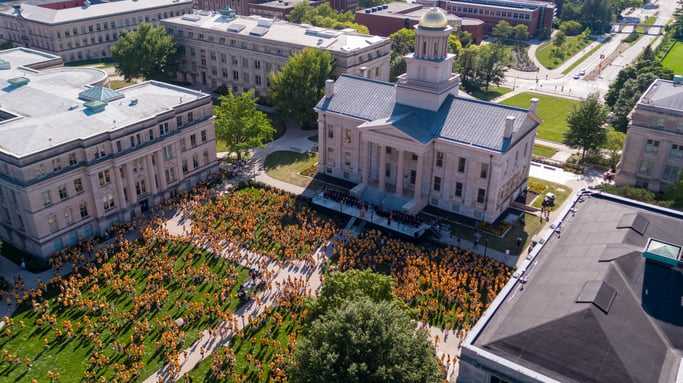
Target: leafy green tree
pixel 571 27
pixel 352 285
pixel 503 30
pixel 597 15
pixel 365 342
pixel 586 125
pixel 240 124
pixel 148 52
pixel 468 64
pixel 493 59
pixel 677 24
pixel 614 144
pixel 521 32
pixel 675 194
pixel 300 84
pixel 465 38
pixel 454 44
pixel 324 16
pixel 559 39
pixel 402 43
pixel 371 3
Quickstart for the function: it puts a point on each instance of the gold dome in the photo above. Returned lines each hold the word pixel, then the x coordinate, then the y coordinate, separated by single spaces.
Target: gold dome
pixel 434 19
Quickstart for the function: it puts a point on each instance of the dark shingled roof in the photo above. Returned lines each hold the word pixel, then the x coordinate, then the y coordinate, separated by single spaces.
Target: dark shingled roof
pixel 593 308
pixel 459 119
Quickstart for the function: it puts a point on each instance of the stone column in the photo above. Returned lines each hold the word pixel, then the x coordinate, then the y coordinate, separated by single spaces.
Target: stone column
pixel 149 169
pixel 418 177
pixel 160 171
pixel 121 200
pixel 179 163
pixel 97 195
pixel 399 174
pixel 340 157
pixel 132 195
pixel 382 166
pixel 365 149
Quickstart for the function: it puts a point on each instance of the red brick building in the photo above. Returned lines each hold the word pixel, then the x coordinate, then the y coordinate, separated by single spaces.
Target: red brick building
pixel 386 19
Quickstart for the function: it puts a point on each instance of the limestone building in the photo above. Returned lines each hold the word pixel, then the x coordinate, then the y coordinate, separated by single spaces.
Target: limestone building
pixel 76 157
pixel 82 30
pixel 240 52
pixel 653 152
pixel 419 142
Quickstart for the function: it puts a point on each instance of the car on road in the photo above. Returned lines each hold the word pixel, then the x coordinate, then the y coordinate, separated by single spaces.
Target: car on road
pixel 582 72
pixel 577 76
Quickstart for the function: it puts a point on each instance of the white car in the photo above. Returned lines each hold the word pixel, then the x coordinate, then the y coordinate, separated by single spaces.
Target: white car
pixel 577 76
pixel 582 73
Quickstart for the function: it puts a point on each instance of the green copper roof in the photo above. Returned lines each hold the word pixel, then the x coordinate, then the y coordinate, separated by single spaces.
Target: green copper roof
pixel 18 81
pixel 4 64
pixel 99 93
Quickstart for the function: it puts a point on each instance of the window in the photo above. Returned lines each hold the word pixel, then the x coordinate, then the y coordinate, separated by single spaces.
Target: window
pixel 84 209
pixel 190 117
pixel 170 175
pixel 413 176
pixel 68 216
pixel 257 79
pixel 118 146
pixel 104 177
pixel 184 166
pixel 195 161
pixel 72 159
pixel 347 136
pixel 178 121
pixel 193 140
pixel 461 164
pixel 132 141
pixel 651 146
pixel 151 134
pixel 52 223
pixel 437 184
pixel 47 198
pixel 676 151
pixel 330 131
pixel 108 201
pixel 235 75
pixel 203 135
pixel 458 189
pixel 63 194
pixel 414 157
pixel 206 157
pixel 484 171
pixel 481 195
pixel 387 149
pixel 140 187
pixel 168 152
pixel 439 159
pixel 78 185
pixel 56 164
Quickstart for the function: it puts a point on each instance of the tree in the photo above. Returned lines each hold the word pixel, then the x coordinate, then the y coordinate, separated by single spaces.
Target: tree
pixel 402 43
pixel 503 30
pixel 521 32
pixel 148 52
pixel 493 59
pixel 597 15
pixel 365 341
pixel 467 65
pixel 352 285
pixel 586 122
pixel 454 44
pixel 614 144
pixel 677 24
pixel 675 193
pixel 300 84
pixel 559 39
pixel 324 16
pixel 371 3
pixel 240 124
pixel 571 27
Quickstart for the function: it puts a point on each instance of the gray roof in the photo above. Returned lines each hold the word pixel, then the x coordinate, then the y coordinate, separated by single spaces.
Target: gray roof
pixel 593 308
pixel 459 119
pixel 664 94
pixel 57 16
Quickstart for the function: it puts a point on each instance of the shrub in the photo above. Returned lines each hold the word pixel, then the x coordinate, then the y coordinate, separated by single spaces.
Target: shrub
pixel 571 27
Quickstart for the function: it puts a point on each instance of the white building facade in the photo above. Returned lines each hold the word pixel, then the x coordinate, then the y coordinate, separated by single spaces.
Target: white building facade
pixel 76 157
pixel 418 143
pixel 84 32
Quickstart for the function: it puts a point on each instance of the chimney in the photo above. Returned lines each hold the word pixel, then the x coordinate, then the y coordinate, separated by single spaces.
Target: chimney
pixel 534 105
pixel 329 88
pixel 364 71
pixel 509 126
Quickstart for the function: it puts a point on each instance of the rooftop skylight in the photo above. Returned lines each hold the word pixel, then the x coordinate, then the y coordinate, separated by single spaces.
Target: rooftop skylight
pixel 663 252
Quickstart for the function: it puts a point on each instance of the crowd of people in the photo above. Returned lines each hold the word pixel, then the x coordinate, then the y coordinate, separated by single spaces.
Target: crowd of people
pixel 448 286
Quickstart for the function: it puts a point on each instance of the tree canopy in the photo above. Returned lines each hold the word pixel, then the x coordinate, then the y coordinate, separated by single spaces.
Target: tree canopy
pixel 480 66
pixel 365 342
pixel 352 285
pixel 148 52
pixel 586 125
pixel 677 24
pixel 324 16
pixel 240 124
pixel 300 84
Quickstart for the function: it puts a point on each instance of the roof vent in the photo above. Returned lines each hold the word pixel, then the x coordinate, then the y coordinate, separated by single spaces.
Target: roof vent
pixel 634 221
pixel 193 18
pixel 4 64
pixel 236 28
pixel 17 9
pixel 598 293
pixel 18 81
pixel 133 102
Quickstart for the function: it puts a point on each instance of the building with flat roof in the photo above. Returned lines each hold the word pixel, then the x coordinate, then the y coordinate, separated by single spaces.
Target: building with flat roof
pixel 419 142
pixel 535 14
pixel 598 302
pixel 240 52
pixel 84 30
pixel 653 151
pixel 76 156
pixel 388 18
pixel 277 9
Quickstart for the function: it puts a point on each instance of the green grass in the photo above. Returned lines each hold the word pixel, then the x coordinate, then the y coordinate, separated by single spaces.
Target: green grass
pixel 491 93
pixel 525 229
pixel 541 187
pixel 544 151
pixel 118 84
pixel 674 59
pixel 263 341
pixel 287 166
pixel 94 63
pixel 573 44
pixel 552 110
pixel 581 59
pixel 650 20
pixel 44 349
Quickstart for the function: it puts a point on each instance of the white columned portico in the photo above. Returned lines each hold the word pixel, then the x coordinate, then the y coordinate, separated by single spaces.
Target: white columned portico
pixel 399 173
pixel 382 166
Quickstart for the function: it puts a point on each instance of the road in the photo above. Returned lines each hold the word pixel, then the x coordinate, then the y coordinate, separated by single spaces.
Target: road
pixel 553 81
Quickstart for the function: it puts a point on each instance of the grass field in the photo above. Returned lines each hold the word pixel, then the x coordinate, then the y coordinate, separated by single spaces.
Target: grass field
pixel 118 84
pixel 287 166
pixel 117 322
pixel 544 151
pixel 491 93
pixel 573 45
pixel 674 59
pixel 552 110
pixel 582 59
pixel 541 187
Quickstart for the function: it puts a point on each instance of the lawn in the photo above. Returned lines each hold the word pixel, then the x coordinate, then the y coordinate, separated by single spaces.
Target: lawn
pixel 95 63
pixel 491 93
pixel 552 110
pixel 270 342
pixel 674 59
pixel 583 58
pixel 541 187
pixel 118 84
pixel 544 151
pixel 546 52
pixel 288 166
pixel 117 322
